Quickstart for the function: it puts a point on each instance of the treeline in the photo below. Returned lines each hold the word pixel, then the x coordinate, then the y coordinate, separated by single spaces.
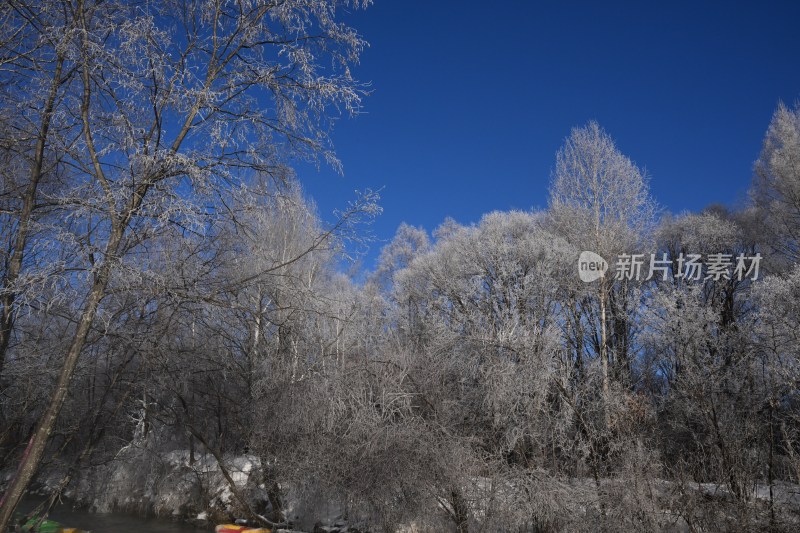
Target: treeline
pixel 167 287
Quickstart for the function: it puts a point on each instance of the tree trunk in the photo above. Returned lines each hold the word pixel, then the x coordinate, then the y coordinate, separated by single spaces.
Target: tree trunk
pixel 28 201
pixel 604 345
pixel 33 454
pixel 460 511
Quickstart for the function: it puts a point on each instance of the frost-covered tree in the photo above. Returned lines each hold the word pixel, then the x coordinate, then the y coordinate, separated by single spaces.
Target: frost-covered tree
pixel 408 243
pixel 171 104
pixel 484 348
pixel 602 192
pixel 600 201
pixel 776 184
pixel 778 345
pixel 37 72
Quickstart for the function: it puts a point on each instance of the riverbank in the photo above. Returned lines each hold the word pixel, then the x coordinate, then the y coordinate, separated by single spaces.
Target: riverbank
pixel 184 488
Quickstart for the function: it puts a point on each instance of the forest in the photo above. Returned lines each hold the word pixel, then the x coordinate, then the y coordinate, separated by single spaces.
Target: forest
pixel 181 334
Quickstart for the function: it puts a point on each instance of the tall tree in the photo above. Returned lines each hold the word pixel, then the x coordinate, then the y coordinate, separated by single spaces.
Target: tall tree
pixel 36 71
pixel 600 199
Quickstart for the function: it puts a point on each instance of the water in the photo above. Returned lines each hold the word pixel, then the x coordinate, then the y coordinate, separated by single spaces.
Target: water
pixel 112 522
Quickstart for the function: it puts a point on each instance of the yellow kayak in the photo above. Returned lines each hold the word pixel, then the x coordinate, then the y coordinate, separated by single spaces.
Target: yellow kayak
pixel 233 528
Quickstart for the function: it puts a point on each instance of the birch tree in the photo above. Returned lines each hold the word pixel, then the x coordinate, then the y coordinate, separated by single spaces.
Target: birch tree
pixel 600 199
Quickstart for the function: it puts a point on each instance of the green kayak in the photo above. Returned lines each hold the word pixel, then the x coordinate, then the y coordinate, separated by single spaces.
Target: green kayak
pixel 47 526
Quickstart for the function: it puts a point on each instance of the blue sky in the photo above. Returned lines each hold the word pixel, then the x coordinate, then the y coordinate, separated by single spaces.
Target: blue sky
pixel 471 100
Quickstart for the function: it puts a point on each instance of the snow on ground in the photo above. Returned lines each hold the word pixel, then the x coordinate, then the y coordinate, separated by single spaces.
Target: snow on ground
pixel 175 484
pixel 170 484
